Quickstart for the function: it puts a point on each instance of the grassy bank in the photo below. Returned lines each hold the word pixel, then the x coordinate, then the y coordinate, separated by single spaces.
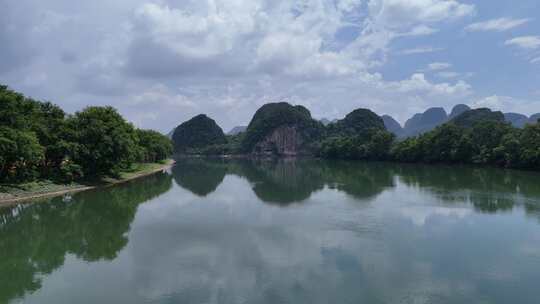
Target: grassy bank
pixel 15 193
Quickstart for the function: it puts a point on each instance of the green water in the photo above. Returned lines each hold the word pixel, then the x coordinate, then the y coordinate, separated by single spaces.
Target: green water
pixel 302 231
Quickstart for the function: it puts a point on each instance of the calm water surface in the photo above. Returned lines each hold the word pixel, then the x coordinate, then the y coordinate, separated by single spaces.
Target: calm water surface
pixel 302 231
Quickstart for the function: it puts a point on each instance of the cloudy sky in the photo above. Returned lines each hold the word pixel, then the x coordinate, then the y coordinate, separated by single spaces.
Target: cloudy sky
pixel 162 61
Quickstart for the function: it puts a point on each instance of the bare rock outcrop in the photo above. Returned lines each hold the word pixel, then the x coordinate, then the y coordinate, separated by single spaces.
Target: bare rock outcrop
pixel 284 141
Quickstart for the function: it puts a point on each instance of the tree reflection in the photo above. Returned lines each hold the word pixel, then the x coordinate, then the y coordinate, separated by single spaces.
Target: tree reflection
pixel 280 182
pixel 34 239
pixel 286 181
pixel 487 189
pixel 200 176
pixel 361 180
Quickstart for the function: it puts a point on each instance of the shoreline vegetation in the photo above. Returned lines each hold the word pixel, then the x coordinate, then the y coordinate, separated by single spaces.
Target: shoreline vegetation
pixel 44 150
pixel 479 137
pixel 29 192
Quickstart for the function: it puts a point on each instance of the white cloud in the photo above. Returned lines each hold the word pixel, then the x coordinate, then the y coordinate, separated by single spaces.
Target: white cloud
pixel 508 104
pixel 525 42
pixel 391 19
pixel 162 61
pixel 436 66
pixel 161 95
pixel 281 49
pixel 418 83
pixel 453 75
pixel 398 13
pixel 193 35
pixel 420 50
pixel 420 215
pixel 421 30
pixel 498 25
pixel 535 60
pixel 301 55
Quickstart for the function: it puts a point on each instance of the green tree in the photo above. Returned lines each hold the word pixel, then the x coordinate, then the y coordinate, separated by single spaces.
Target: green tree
pixel 45 121
pixel 444 144
pixel 407 150
pixel 272 116
pixel 486 139
pixel 155 146
pixel 104 141
pixel 370 144
pixel 197 133
pixel 507 154
pixel 20 154
pixel 530 147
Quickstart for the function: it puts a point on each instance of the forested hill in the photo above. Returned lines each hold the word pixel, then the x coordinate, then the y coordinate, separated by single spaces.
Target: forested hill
pixel 38 140
pixel 474 136
pixel 208 133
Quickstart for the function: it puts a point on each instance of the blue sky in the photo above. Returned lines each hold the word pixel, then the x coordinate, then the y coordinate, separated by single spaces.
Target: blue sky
pixel 161 62
pixel 495 67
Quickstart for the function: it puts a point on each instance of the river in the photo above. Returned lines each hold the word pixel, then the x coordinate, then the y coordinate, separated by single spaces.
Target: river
pixel 287 231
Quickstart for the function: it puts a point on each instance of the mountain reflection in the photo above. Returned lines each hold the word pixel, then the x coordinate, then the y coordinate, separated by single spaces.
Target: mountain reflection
pixel 245 251
pixel 35 238
pixel 280 182
pixel 200 176
pixel 287 181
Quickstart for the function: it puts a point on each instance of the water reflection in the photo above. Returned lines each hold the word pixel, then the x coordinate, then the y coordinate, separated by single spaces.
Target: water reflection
pixel 489 190
pixel 345 232
pixel 280 182
pixel 200 176
pixel 34 239
pixel 284 182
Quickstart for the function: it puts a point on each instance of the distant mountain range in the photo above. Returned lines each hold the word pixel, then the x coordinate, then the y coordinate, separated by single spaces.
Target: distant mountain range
pixel 465 136
pixel 419 123
pixel 326 121
pixel 433 117
pixel 237 130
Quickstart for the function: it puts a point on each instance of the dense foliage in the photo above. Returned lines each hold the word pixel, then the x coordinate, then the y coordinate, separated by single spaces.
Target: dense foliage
pixel 469 118
pixel 154 146
pixel 105 142
pixel 38 140
pixel 477 136
pixel 370 144
pixel 360 135
pixel 486 142
pixel 274 115
pixel 473 137
pixel 356 123
pixel 197 134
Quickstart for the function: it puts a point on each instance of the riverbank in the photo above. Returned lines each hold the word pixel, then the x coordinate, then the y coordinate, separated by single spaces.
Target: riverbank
pixel 18 193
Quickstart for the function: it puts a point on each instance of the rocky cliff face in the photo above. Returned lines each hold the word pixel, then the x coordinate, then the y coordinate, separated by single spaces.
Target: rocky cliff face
pixel 281 129
pixel 283 141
